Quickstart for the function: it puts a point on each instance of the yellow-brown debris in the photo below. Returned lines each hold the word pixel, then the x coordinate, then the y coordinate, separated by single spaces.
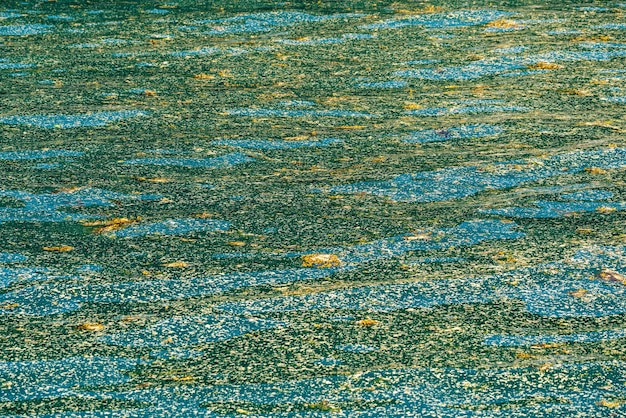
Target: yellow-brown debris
pixel 204 215
pixel 612 276
pixel 153 179
pixel 524 356
pixel 70 189
pixel 429 8
pixel 110 225
pixel 411 106
pixel 320 260
pixel 298 138
pixel 367 322
pixel 543 65
pixel 602 124
pixel 204 76
pixel 349 127
pixel 595 170
pixel 177 264
pixel 609 404
pixel 186 378
pixel 59 249
pixel 605 209
pixel 420 236
pixel 598 38
pixel 580 293
pixel 544 346
pixel 91 326
pixel 544 367
pixel 237 243
pixel 503 24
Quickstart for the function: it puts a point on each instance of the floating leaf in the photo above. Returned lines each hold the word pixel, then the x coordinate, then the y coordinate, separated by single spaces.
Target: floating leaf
pixel 367 322
pixel 610 404
pixel 595 170
pixel 177 264
pixel 605 209
pixel 237 243
pixel 542 65
pixel 91 326
pixel 320 260
pixel 612 276
pixel 111 225
pixel 60 248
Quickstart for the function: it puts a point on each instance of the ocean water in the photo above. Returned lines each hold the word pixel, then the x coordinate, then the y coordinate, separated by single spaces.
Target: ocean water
pixel 312 209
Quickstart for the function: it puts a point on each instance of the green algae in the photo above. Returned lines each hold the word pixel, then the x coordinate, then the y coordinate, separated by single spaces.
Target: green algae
pixel 275 84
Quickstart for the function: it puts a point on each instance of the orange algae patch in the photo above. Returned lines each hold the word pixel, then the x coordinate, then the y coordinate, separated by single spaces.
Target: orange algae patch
pixel 320 260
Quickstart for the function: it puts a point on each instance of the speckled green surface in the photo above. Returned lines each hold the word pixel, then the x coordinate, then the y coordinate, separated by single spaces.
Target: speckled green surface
pixel 311 209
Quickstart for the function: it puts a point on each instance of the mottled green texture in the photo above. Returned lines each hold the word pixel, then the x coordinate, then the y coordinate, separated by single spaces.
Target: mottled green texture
pixel 309 209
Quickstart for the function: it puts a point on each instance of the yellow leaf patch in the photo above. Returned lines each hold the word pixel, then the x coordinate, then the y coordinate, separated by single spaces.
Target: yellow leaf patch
pixel 91 326
pixel 367 322
pixel 111 225
pixel 59 249
pixel 177 264
pixel 320 260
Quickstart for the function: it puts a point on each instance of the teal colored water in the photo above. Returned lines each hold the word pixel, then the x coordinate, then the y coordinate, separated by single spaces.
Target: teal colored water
pixel 312 209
